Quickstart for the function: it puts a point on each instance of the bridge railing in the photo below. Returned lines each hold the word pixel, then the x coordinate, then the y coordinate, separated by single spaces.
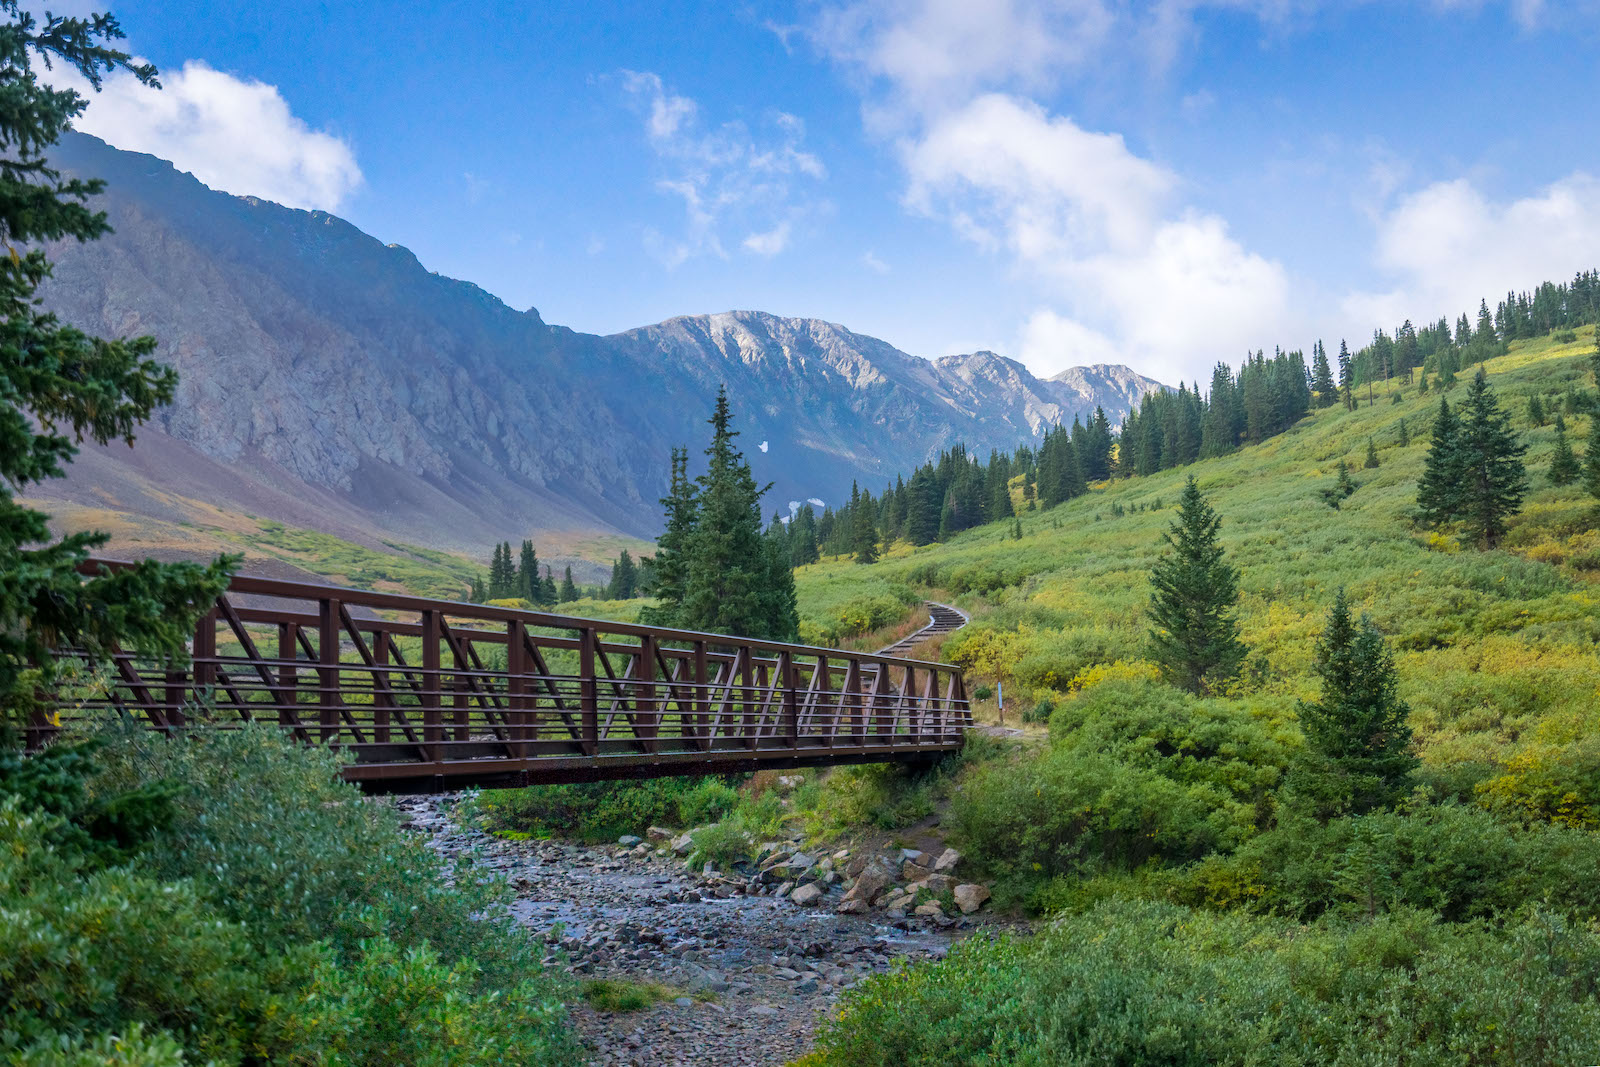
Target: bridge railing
pixel 416 691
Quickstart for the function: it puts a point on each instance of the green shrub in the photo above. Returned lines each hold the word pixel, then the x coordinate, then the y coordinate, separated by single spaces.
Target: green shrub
pixel 393 1006
pixel 1456 860
pixel 604 811
pixel 131 1048
pixel 1152 984
pixel 84 952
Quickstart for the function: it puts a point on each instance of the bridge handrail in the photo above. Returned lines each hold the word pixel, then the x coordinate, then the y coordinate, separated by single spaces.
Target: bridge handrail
pixel 292 590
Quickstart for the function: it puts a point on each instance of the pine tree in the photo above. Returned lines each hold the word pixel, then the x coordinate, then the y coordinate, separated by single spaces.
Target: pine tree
pixel 1343 487
pixel 1564 468
pixel 1591 462
pixel 624 578
pixel 1536 415
pixel 1405 434
pixel 1347 379
pixel 732 584
pixel 1030 491
pixel 864 532
pixel 1494 477
pixel 803 537
pixel 476 592
pixel 1193 637
pixel 1371 462
pixel 1322 378
pixel 528 583
pixel 680 509
pixel 922 507
pixel 502 573
pixel 1594 360
pixel 1439 491
pixel 1357 755
pixel 1016 529
pixel 569 588
pixel 547 589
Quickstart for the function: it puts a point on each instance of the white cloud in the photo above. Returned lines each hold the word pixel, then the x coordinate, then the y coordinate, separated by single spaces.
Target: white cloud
pixel 1137 278
pixel 873 263
pixel 234 134
pixel 725 176
pixel 1447 246
pixel 769 243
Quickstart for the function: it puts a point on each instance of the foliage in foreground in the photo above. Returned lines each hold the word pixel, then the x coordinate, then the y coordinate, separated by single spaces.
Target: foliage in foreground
pixel 268 914
pixel 1136 983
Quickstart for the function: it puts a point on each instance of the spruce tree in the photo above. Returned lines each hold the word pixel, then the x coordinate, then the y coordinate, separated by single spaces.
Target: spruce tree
pixel 1439 491
pixel 1357 755
pixel 864 536
pixel 547 589
pixel 1494 476
pixel 1347 377
pixel 1371 462
pixel 1591 462
pixel 1564 469
pixel 569 588
pixel 1536 415
pixel 803 537
pixel 730 577
pixel 1193 637
pixel 1594 360
pixel 60 386
pixel 476 592
pixel 528 583
pixel 681 511
pixel 1405 434
pixel 1322 383
pixel 624 578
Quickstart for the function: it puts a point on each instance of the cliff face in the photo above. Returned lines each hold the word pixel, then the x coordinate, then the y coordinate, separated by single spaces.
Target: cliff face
pixel 326 374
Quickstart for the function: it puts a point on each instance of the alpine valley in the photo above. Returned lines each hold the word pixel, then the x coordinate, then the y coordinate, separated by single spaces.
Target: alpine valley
pixel 332 385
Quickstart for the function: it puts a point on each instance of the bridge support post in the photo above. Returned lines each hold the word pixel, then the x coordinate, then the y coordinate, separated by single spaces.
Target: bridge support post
pixel 432 724
pixel 791 699
pixel 645 719
pixel 589 692
pixel 328 669
pixel 517 688
pixel 702 698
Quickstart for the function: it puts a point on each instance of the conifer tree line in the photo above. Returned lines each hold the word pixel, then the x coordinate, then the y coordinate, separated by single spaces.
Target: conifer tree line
pixel 518 578
pixel 1264 397
pixel 1474 473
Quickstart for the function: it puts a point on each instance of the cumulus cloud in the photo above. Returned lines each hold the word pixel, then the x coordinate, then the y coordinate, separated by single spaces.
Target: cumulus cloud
pixel 1448 245
pixel 1137 276
pixel 726 177
pixel 234 134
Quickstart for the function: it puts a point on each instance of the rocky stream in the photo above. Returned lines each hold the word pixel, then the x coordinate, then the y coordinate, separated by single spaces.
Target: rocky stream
pixel 759 955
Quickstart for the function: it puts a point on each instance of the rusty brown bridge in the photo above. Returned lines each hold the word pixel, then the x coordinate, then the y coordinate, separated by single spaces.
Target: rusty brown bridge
pixel 427 695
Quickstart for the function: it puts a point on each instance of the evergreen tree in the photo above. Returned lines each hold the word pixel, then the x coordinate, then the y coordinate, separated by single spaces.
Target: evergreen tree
pixel 1342 489
pixel 502 573
pixel 569 588
pixel 624 578
pixel 1594 360
pixel 733 586
pixel 1564 469
pixel 1347 380
pixel 1016 529
pixel 680 510
pixel 1371 462
pixel 59 386
pixel 864 532
pixel 528 582
pixel 922 507
pixel 1439 491
pixel 1357 755
pixel 1405 434
pixel 1193 637
pixel 1591 462
pixel 1030 491
pixel 547 589
pixel 1536 415
pixel 476 592
pixel 1494 477
pixel 1322 377
pixel 803 537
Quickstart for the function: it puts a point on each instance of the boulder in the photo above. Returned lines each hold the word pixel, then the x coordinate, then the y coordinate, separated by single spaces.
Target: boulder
pixel 806 895
pixel 970 897
pixel 947 861
pixel 852 907
pixel 872 880
pixel 629 840
pixel 683 845
pixel 936 883
pixel 917 856
pixel 930 909
pixel 913 872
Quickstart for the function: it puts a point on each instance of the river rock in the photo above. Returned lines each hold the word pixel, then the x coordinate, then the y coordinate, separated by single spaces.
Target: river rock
pixel 873 879
pixel 930 909
pixel 946 863
pixel 913 872
pixel 852 907
pixel 806 895
pixel 683 845
pixel 970 897
pixel 657 833
pixel 629 840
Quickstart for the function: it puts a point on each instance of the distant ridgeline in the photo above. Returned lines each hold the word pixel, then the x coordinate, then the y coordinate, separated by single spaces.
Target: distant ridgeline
pixel 1266 396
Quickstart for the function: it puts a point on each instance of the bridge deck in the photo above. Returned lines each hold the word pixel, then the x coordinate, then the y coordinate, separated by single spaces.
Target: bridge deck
pixel 425 694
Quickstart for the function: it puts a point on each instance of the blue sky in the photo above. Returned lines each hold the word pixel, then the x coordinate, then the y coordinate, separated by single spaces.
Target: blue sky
pixel 1160 184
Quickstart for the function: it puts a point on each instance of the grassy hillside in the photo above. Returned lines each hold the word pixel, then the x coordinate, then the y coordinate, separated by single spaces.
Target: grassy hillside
pixel 1209 909
pixel 1496 649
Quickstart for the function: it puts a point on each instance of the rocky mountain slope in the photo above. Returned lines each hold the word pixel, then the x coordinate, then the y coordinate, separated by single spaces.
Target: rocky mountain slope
pixel 330 381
